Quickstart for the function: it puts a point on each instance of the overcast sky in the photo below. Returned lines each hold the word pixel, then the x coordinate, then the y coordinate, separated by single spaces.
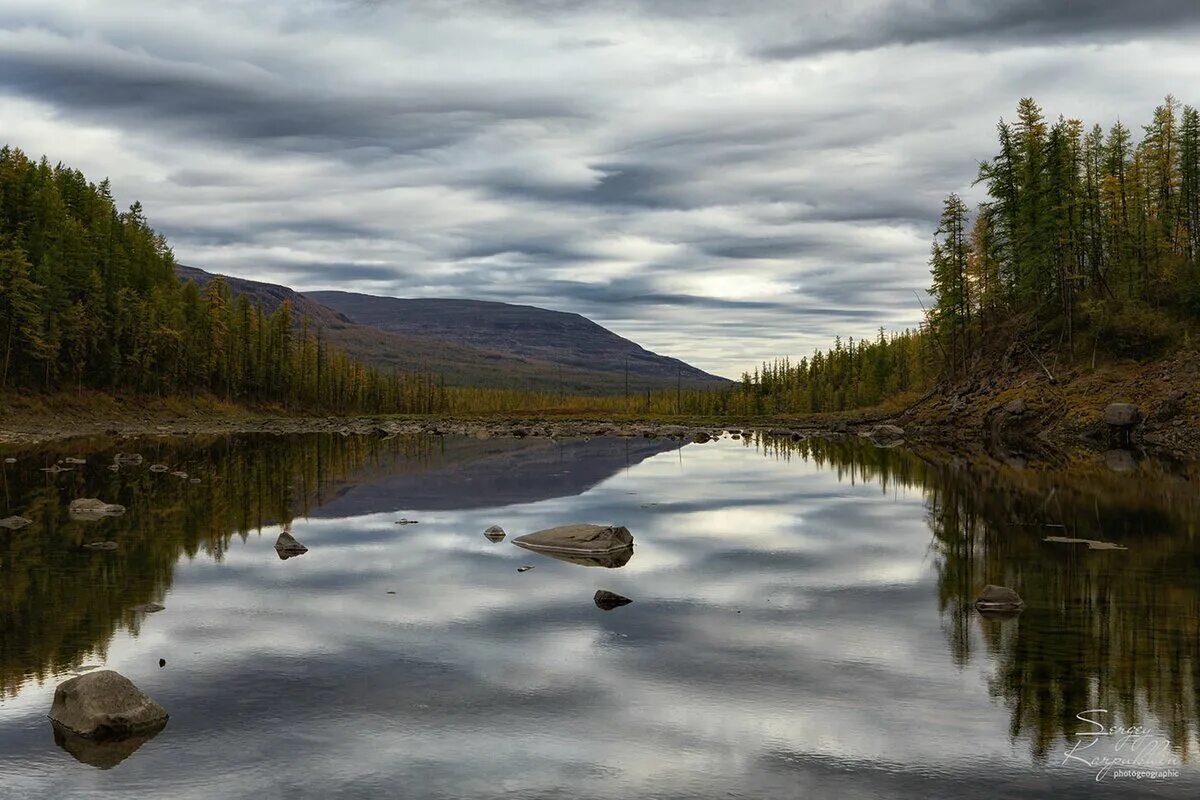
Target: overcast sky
pixel 721 181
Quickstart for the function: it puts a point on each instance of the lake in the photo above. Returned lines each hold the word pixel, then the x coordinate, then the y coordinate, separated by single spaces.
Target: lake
pixel 802 622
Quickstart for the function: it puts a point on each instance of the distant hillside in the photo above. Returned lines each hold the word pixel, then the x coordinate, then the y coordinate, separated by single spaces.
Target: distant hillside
pixel 474 343
pixel 538 334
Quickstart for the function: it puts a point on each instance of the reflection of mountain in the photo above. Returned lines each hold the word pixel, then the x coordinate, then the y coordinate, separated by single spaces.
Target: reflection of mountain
pixel 1118 630
pixel 60 603
pixel 474 473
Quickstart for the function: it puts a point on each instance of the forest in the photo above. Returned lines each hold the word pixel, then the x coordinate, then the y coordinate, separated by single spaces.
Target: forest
pixel 89 298
pixel 1087 242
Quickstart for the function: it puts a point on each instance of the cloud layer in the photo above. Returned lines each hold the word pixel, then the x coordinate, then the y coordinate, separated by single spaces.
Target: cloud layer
pixel 720 184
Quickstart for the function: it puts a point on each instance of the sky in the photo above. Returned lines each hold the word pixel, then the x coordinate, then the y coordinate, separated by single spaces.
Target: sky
pixel 723 182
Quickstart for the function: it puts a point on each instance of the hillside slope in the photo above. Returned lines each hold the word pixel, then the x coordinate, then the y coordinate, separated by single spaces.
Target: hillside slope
pixel 556 337
pixel 429 340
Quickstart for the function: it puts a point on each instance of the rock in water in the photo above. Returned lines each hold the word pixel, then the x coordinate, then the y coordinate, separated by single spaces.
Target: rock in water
pixel 159 467
pixel 10 460
pixel 580 538
pixel 99 546
pixel 15 523
pixel 999 598
pixel 607 601
pixel 105 704
pixel 149 608
pixel 89 508
pixel 287 546
pixel 494 534
pixel 1122 415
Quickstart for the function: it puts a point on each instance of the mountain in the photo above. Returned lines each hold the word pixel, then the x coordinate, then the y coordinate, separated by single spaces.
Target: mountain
pixel 475 343
pixel 556 337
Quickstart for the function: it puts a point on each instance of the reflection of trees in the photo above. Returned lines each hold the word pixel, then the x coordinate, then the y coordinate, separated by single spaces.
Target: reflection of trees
pixel 60 604
pixel 1117 629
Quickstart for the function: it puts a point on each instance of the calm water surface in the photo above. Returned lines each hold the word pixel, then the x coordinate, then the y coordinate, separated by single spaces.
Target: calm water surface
pixel 801 624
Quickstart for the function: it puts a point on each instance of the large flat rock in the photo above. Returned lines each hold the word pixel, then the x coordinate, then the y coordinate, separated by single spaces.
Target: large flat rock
pixel 581 539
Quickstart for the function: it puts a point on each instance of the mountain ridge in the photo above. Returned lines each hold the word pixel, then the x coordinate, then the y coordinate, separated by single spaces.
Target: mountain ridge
pixel 513 346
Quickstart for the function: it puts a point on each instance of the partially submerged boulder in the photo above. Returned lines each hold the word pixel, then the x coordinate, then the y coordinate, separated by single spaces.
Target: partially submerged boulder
pixel 494 534
pixel 607 601
pixel 1122 415
pixel 999 598
pixel 581 538
pixel 287 546
pixel 15 523
pixel 105 705
pixel 91 509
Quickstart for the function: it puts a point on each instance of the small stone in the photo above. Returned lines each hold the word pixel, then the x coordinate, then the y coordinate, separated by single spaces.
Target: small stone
pixel 15 523
pixel 403 521
pixel 525 568
pixel 998 598
pixel 100 546
pixel 76 461
pixel 494 534
pixel 607 601
pixel 55 469
pixel 162 662
pixel 159 467
pixel 149 608
pixel 287 546
pixel 10 460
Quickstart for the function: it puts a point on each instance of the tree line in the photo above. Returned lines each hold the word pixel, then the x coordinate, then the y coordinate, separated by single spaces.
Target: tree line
pixel 1087 240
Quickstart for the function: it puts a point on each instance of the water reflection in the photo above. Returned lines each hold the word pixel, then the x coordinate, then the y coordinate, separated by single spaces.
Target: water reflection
pixel 803 622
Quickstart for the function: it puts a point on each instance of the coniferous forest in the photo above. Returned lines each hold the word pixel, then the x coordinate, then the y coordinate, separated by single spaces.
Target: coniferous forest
pixel 89 298
pixel 1088 242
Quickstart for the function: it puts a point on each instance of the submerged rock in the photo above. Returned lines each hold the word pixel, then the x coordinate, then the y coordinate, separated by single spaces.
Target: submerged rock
pixel 159 467
pixel 15 523
pixel 607 601
pixel 999 598
pixel 494 534
pixel 287 546
pixel 99 546
pixel 525 568
pixel 91 509
pixel 1120 461
pixel 105 704
pixel 149 608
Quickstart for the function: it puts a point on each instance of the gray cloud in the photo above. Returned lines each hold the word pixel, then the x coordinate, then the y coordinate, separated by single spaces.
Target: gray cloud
pixel 722 184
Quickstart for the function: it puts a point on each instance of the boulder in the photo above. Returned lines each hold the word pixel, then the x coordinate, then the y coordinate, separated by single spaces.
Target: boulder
pixel 1122 415
pixel 91 509
pixel 105 705
pixel 999 598
pixel 607 601
pixel 15 523
pixel 287 546
pixel 580 538
pixel 494 534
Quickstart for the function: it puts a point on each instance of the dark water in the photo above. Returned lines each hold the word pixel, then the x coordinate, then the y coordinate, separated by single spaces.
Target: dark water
pixel 801 625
